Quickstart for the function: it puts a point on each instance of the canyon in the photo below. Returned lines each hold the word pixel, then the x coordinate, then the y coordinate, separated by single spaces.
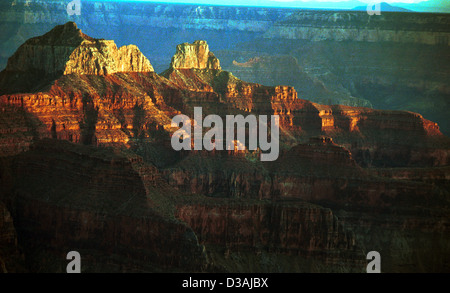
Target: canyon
pixel 397 61
pixel 87 165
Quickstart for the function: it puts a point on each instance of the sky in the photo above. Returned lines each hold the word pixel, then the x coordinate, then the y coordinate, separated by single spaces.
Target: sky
pixel 439 6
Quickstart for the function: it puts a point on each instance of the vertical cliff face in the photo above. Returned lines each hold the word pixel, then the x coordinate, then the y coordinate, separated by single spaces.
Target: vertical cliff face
pixel 17 130
pixel 191 69
pixel 108 59
pixel 194 56
pixel 306 229
pixel 194 67
pixel 246 232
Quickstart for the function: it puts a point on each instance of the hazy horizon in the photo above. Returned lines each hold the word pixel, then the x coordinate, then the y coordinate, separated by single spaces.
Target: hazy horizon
pixel 434 6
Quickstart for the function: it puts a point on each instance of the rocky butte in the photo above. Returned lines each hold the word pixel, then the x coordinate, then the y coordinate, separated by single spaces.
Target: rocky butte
pixel 67 50
pixel 86 164
pixel 196 55
pixel 75 85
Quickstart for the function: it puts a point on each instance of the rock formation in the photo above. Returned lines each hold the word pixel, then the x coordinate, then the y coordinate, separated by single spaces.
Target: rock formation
pixel 343 57
pixel 216 90
pixel 49 53
pixel 194 56
pixel 67 92
pixel 87 164
pixel 67 50
pixel 113 108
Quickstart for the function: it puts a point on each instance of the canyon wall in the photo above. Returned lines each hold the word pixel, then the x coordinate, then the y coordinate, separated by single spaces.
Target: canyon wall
pixel 360 27
pixel 87 165
pixel 70 197
pixel 112 208
pixel 236 233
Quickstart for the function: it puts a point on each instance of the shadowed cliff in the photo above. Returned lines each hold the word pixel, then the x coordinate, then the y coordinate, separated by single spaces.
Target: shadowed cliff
pixel 348 180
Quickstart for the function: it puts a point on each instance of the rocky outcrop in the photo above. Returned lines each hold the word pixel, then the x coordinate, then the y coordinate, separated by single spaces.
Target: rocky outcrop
pixel 67 50
pixel 112 108
pixel 75 108
pixel 69 100
pixel 116 207
pixel 109 60
pixel 59 71
pixel 344 57
pixel 366 130
pixel 194 56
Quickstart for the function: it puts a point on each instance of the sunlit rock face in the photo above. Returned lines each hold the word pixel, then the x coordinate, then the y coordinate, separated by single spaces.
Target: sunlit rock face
pixel 393 61
pixel 86 161
pixel 67 50
pixel 194 56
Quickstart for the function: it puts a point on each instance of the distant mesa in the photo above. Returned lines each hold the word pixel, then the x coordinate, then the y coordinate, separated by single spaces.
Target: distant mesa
pixel 194 56
pixel 66 50
pixel 384 7
pixel 250 63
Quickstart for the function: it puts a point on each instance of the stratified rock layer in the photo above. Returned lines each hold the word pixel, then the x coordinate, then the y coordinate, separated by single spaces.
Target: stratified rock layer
pixel 94 201
pixel 224 210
